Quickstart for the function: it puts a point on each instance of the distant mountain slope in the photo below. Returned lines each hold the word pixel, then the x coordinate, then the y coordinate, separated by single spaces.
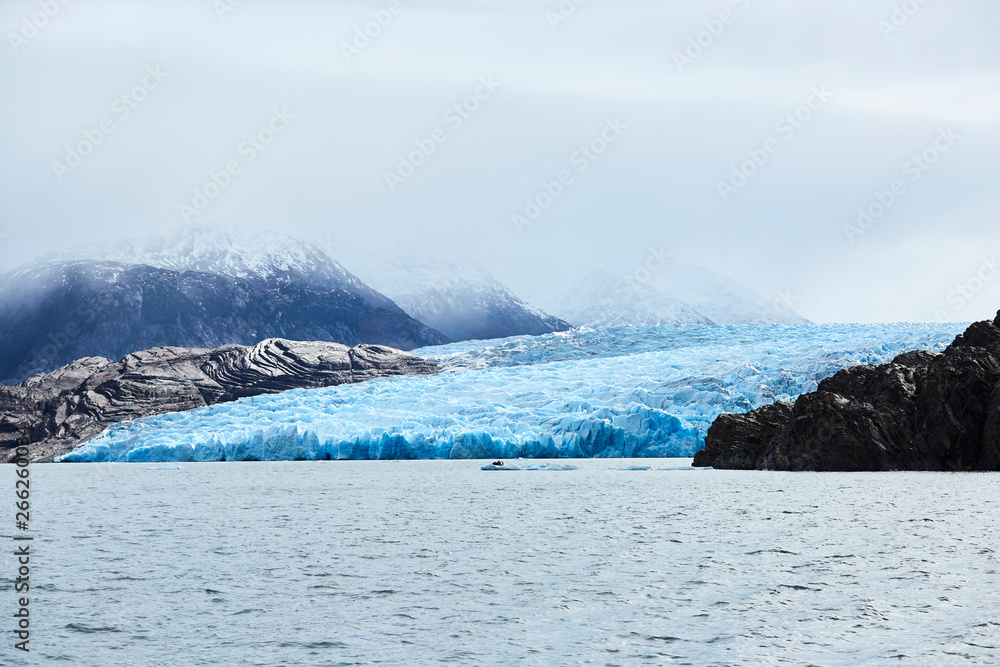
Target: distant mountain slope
pixel 599 301
pixel 675 293
pixel 457 297
pixel 719 297
pixel 267 257
pixel 57 311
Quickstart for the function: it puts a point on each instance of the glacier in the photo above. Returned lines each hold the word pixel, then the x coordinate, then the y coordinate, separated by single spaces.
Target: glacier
pixel 619 392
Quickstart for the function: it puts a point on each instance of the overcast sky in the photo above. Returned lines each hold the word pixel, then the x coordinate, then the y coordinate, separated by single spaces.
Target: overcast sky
pixel 884 88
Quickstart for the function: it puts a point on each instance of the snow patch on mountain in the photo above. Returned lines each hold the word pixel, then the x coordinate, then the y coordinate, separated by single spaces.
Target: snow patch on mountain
pixel 600 301
pixel 196 287
pixel 265 256
pixel 454 295
pixel 719 297
pixel 673 293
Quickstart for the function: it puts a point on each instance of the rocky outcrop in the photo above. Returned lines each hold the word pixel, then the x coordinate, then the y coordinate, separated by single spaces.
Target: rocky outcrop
pixel 922 411
pixel 73 404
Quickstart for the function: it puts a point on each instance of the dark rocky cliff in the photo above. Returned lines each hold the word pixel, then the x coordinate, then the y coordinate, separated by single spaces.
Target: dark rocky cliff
pixel 922 411
pixel 77 402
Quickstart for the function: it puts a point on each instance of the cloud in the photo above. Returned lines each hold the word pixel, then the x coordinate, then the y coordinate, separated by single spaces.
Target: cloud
pixel 325 175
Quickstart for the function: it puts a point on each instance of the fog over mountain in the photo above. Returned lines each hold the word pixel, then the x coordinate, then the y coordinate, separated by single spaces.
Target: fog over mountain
pixel 598 300
pixel 454 295
pixel 689 296
pixel 132 117
pixel 204 286
pixel 194 287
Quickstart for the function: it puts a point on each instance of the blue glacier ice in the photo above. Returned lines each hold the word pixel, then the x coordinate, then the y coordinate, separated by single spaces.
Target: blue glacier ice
pixel 621 392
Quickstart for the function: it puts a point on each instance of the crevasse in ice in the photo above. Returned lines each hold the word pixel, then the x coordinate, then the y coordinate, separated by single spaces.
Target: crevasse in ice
pixel 622 392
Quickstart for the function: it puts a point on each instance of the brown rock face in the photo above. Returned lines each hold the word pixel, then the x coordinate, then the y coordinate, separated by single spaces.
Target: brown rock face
pixel 75 403
pixel 922 411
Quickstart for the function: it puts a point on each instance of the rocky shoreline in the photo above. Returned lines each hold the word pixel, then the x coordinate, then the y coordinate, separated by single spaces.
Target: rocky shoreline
pixel 71 405
pixel 923 411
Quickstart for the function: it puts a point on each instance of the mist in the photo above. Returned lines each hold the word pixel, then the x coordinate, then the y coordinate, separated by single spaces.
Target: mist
pixel 839 154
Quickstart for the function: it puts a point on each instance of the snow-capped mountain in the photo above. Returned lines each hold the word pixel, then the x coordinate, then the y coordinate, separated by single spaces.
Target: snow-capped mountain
pixel 719 297
pixel 265 257
pixel 197 288
pixel 455 296
pixel 598 300
pixel 675 293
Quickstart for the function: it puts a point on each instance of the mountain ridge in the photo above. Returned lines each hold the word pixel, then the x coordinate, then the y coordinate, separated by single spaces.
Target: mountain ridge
pixel 672 293
pixel 457 296
pixel 54 312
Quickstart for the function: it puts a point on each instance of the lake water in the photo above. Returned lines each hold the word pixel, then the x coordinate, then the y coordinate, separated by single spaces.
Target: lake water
pixel 438 562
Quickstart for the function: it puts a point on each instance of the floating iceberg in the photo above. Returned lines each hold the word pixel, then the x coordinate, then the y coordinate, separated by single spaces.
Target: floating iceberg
pixel 624 392
pixel 550 467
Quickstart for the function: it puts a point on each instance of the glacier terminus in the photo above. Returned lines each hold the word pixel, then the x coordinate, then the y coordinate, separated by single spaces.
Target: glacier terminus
pixel 631 392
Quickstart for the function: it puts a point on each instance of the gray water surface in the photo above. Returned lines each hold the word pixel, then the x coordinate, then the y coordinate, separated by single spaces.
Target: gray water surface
pixel 438 562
